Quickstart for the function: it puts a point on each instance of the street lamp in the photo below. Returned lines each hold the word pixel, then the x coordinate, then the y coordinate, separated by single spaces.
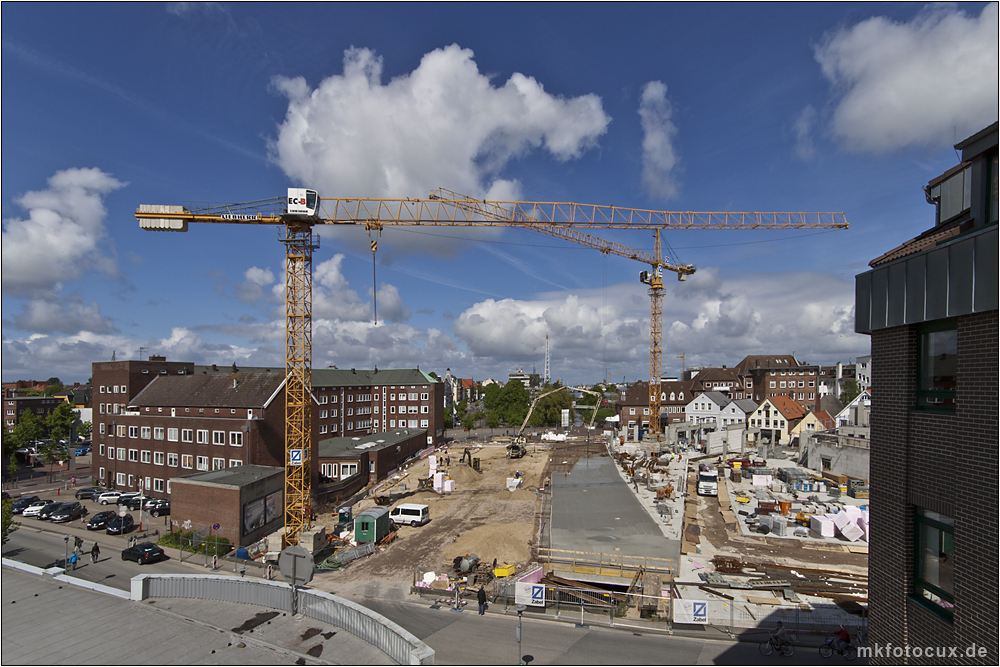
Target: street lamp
pixel 66 561
pixel 520 610
pixel 114 443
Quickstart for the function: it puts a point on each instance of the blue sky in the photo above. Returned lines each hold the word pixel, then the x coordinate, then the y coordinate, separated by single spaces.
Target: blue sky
pixel 699 107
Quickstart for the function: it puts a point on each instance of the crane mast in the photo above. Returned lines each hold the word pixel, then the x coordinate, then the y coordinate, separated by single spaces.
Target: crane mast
pixel 302 209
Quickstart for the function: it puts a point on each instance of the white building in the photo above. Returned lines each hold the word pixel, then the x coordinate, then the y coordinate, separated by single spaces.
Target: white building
pixel 863 372
pixel 715 407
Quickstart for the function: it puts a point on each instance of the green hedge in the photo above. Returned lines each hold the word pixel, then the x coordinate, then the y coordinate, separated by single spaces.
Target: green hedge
pixel 183 540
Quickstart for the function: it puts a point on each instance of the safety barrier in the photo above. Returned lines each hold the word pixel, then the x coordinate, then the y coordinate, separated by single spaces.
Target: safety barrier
pixel 380 632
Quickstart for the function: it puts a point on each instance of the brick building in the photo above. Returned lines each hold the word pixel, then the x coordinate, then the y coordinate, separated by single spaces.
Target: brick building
pixel 360 402
pixel 247 502
pixel 930 306
pixel 374 456
pixel 767 376
pixel 40 406
pixel 179 424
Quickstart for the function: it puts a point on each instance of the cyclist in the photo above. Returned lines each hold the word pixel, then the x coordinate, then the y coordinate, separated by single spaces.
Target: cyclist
pixel 778 636
pixel 843 639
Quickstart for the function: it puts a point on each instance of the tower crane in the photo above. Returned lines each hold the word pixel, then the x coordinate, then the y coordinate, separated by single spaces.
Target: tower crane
pixel 302 209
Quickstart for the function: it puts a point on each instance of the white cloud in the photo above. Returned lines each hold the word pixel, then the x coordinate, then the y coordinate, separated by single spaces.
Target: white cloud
pixel 390 305
pixel 60 238
pixel 443 125
pixel 804 124
pixel 659 157
pixel 254 282
pixel 62 315
pixel 926 82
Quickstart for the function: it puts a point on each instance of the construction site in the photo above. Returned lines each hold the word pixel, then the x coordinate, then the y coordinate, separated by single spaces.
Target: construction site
pixel 612 534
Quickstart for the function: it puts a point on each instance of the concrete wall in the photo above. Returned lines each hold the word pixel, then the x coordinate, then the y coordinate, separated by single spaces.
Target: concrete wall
pixel 845 459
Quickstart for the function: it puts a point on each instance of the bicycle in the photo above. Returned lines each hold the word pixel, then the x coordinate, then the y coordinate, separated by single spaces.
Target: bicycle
pixel 827 649
pixel 785 648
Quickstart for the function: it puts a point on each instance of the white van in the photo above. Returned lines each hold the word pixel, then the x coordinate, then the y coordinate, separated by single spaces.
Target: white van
pixel 415 515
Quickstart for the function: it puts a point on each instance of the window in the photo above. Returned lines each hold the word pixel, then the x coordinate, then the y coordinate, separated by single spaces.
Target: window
pixel 120 479
pixel 172 435
pixel 773 384
pixel 782 384
pixel 158 433
pixel 187 435
pixel 202 437
pixel 145 433
pixel 413 397
pixel 350 426
pixel 202 463
pixel 100 428
pixel 322 414
pixel 423 423
pixel 425 410
pixel 322 429
pixel 328 470
pixel 121 453
pixel 120 432
pixel 350 398
pixel 100 473
pixel 631 411
pixel 133 432
pixel 934 566
pixel 100 449
pixel 218 437
pixel 158 458
pixel 937 365
pixel 158 485
pixel 392 397
pixel 218 464
pixel 412 423
pixel 348 469
pixel 423 397
pixel 235 462
pixel 350 411
pixel 392 423
pixel 236 438
pixel 111 453
pixel 172 460
pixel 826 461
pixel 411 409
pixel 392 409
pixel 187 461
pixel 147 456
pixel 322 400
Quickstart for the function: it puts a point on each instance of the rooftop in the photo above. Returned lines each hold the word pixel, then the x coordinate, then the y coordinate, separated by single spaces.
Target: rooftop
pixel 229 390
pixel 332 448
pixel 359 377
pixel 236 477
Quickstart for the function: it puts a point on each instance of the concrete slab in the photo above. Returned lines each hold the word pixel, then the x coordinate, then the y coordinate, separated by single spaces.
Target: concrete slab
pixel 595 511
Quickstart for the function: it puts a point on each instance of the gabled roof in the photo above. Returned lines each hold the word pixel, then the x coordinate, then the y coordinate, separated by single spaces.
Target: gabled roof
pixel 716 397
pixel 232 390
pixel 753 361
pixel 746 405
pixel 469 383
pixel 358 377
pixel 823 417
pixel 789 408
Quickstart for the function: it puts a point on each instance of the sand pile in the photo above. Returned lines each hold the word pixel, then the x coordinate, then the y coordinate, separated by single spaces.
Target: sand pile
pixel 463 474
pixel 517 494
pixel 507 542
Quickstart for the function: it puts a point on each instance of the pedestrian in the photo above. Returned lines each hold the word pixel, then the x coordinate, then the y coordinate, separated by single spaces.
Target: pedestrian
pixel 95 553
pixel 481 596
pixel 494 564
pixel 73 558
pixel 72 481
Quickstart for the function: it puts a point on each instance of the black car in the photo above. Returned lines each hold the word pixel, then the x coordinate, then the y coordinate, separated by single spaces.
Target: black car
pixel 46 512
pixel 23 502
pixel 158 507
pixel 120 525
pixel 67 512
pixel 147 552
pixel 89 492
pixel 100 520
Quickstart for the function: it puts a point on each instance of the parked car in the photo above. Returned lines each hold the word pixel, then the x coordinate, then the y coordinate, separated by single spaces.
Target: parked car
pixel 82 451
pixel 67 512
pixel 34 508
pixel 21 503
pixel 120 525
pixel 87 492
pixel 147 552
pixel 47 511
pixel 109 497
pixel 100 520
pixel 158 507
pixel 133 503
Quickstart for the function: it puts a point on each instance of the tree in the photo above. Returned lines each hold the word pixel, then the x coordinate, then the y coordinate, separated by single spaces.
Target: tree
pixel 513 403
pixel 849 391
pixel 61 421
pixel 13 468
pixel 469 422
pixel 8 523
pixel 492 396
pixel 535 380
pixel 29 429
pixel 51 451
pixel 85 430
pixel 492 421
pixel 448 423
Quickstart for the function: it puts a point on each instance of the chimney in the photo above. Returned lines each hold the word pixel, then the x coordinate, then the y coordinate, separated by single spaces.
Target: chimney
pixel 234 367
pixel 214 367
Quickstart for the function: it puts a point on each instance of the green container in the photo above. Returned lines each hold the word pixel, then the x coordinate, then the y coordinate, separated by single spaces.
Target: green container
pixel 371 525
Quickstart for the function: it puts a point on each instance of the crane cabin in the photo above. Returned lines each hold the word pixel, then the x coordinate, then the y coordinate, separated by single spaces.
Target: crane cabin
pixel 302 202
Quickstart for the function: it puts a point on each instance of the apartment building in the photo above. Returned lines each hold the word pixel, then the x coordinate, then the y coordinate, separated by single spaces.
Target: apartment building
pixel 15 407
pixel 930 306
pixel 767 376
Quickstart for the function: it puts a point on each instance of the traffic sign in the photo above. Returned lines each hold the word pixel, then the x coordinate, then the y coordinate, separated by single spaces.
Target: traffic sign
pixel 216 526
pixel 297 565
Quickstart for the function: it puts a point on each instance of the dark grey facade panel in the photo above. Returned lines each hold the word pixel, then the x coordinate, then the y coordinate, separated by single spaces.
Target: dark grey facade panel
pixel 880 284
pixel 916 277
pixel 961 265
pixel 896 295
pixel 937 285
pixel 863 303
pixel 986 287
pixel 955 279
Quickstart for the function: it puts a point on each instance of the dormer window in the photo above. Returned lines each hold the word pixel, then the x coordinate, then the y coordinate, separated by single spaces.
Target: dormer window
pixel 952 194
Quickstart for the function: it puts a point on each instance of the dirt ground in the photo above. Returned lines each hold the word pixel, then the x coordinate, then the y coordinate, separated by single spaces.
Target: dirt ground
pixel 481 516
